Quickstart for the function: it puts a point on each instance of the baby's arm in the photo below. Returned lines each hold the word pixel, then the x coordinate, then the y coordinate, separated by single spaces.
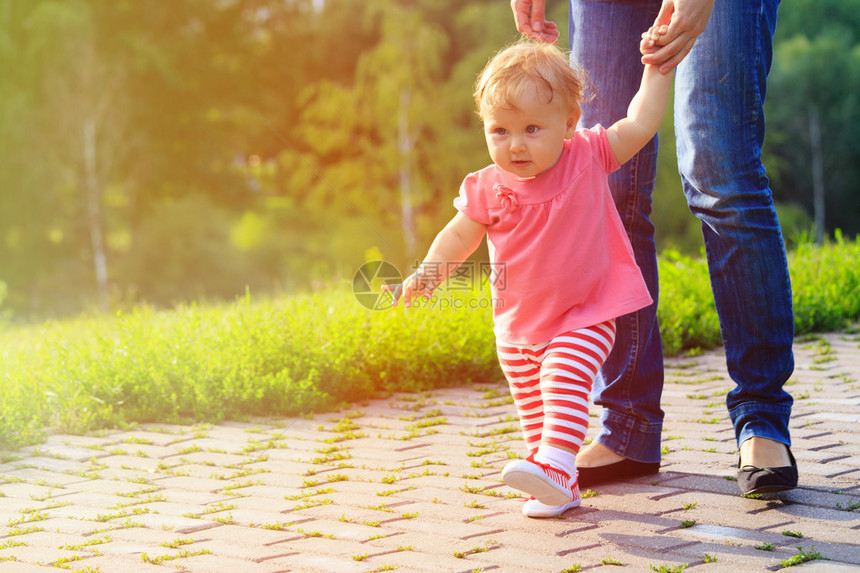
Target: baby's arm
pixel 459 239
pixel 644 115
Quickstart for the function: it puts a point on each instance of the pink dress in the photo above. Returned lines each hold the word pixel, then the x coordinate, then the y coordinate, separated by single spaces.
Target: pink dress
pixel 565 258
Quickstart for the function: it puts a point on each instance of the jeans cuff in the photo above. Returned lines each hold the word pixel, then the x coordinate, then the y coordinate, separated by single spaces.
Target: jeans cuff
pixel 755 419
pixel 630 437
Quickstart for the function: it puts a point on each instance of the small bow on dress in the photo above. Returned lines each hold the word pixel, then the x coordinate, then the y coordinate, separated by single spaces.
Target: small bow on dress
pixel 506 197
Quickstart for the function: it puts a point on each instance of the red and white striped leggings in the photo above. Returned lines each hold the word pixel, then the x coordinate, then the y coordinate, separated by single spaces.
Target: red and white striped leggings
pixel 550 383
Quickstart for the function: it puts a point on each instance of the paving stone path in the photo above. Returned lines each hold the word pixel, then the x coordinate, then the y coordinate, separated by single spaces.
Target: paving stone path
pixel 412 483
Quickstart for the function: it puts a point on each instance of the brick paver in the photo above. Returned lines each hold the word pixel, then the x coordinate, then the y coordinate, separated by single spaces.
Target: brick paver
pixel 412 483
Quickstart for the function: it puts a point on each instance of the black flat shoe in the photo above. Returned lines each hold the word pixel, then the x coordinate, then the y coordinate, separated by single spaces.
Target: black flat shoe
pixel 767 480
pixel 619 471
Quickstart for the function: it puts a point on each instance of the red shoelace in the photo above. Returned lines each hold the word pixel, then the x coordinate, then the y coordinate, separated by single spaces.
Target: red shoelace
pixel 560 477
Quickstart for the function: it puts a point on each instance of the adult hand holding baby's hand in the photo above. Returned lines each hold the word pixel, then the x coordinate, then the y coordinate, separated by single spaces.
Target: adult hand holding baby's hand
pixel 684 21
pixel 648 45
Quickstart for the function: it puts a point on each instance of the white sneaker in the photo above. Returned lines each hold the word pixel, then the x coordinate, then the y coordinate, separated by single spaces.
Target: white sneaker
pixel 534 508
pixel 549 485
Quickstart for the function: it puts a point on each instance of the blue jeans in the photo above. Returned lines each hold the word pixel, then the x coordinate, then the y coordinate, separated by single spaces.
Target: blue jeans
pixel 719 125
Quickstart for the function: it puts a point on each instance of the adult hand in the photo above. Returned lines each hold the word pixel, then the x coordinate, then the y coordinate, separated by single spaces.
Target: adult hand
pixel 530 17
pixel 684 21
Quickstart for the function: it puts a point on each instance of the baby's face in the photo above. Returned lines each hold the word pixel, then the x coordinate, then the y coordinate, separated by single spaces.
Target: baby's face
pixel 528 139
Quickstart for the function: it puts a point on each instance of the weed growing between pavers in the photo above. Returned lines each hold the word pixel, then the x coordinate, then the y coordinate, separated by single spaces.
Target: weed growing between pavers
pixel 278 526
pixel 127 524
pixel 487 546
pixel 176 543
pixel 668 568
pixel 224 519
pixel 140 492
pixel 471 489
pixel 214 508
pixel 103 517
pixel 388 492
pixel 309 503
pixel 181 555
pixel 802 557
pixel 63 562
pixel 24 530
pixel 28 516
pixel 85 546
pixel 378 507
pixel 850 506
pixel 315 533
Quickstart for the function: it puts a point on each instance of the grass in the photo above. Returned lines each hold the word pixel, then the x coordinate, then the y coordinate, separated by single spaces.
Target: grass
pixel 298 355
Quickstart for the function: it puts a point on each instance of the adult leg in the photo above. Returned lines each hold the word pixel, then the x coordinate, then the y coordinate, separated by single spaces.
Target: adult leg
pixel 604 39
pixel 719 121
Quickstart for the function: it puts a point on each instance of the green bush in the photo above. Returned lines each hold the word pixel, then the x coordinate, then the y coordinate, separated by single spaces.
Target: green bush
pixel 825 286
pixel 302 354
pixel 826 283
pixel 686 311
pixel 282 357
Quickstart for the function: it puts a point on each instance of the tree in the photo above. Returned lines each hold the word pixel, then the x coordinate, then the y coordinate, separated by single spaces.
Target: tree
pixel 813 116
pixel 83 121
pixel 364 134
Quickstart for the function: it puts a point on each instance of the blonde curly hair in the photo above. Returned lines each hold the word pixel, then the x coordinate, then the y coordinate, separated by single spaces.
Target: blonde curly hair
pixel 529 65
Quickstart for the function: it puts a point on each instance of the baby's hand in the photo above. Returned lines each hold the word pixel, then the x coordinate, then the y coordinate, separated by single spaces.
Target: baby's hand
pixel 651 38
pixel 414 286
pixel 396 290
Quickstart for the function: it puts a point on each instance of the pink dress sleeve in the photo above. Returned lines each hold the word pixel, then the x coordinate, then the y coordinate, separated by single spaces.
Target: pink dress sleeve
pixel 600 148
pixel 472 201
